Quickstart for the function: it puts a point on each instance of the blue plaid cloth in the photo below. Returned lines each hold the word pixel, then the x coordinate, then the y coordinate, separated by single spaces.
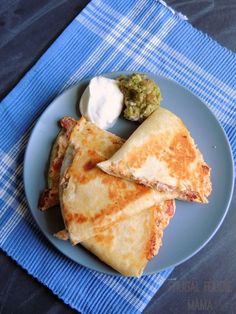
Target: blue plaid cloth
pixel 108 35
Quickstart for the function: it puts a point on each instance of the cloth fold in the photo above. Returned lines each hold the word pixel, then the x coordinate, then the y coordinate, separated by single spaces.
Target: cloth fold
pixel 106 36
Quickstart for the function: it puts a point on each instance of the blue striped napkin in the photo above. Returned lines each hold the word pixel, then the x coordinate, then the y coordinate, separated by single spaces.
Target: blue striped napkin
pixel 108 35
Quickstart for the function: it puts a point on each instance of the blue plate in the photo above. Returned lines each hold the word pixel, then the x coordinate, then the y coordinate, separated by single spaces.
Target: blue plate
pixel 193 224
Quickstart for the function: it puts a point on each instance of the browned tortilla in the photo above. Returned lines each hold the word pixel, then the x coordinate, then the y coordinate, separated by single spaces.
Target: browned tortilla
pixel 50 197
pixel 91 199
pixel 162 154
pixel 128 245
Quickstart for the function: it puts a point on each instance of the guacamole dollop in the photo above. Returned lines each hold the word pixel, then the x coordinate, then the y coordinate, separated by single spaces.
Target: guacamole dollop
pixel 142 96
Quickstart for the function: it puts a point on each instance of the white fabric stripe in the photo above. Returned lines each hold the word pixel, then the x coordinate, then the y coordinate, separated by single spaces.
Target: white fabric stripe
pixel 10 198
pixel 175 70
pixel 98 52
pixel 142 283
pixel 209 84
pixel 119 288
pixel 8 158
pixel 4 170
pixel 123 43
pixel 8 161
pixel 119 284
pixel 103 20
pixel 107 10
pixel 210 77
pixel 129 53
pixel 12 222
pixel 149 47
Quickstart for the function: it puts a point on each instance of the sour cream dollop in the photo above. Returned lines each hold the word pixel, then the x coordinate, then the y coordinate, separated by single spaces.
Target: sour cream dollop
pixel 102 102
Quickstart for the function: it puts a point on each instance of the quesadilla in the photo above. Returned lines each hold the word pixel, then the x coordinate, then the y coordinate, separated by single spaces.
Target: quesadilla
pixel 90 199
pixel 128 245
pixel 49 197
pixel 162 154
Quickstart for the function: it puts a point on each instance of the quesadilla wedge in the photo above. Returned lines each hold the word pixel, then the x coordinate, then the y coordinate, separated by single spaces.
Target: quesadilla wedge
pixel 128 245
pixel 162 154
pixel 90 199
pixel 49 197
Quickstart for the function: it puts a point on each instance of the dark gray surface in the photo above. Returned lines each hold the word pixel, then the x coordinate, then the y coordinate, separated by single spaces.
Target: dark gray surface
pixel 207 282
pixel 27 29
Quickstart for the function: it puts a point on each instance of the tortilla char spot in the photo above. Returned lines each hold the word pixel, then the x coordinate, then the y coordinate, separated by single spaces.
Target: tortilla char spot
pixel 106 180
pixel 67 122
pixel 68 218
pixel 115 187
pixel 122 199
pixel 90 130
pixel 181 154
pixel 170 208
pixel 177 155
pixel 98 229
pixel 80 178
pixel 105 239
pixel 56 164
pixel 112 194
pixel 49 198
pixel 191 196
pixel 90 171
pixel 94 156
pixel 105 211
pixel 152 245
pixel 89 165
pixel 80 218
pixel 88 176
pixel 139 155
pixel 116 140
pixel 205 169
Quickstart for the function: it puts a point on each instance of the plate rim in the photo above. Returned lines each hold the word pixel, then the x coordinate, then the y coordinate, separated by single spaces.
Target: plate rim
pixel 111 271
